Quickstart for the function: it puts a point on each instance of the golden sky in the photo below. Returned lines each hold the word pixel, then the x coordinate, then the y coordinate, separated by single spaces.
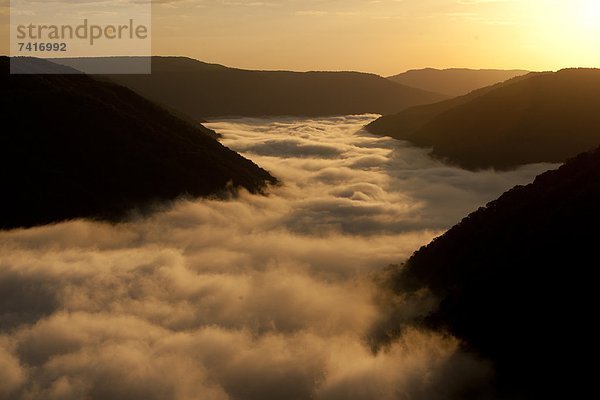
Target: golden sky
pixel 382 36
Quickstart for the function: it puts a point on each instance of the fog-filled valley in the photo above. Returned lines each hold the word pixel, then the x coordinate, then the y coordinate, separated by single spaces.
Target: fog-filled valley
pixel 299 200
pixel 255 297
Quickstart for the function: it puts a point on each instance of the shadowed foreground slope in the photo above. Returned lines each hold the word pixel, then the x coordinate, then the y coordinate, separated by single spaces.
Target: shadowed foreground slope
pixel 545 117
pixel 515 280
pixel 87 148
pixel 208 90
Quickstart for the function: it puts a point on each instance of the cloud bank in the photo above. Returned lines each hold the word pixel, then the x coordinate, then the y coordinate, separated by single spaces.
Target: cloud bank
pixel 253 298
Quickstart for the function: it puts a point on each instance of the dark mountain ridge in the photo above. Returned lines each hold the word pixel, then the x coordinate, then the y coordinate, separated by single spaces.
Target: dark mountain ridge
pixel 209 90
pixel 454 81
pixel 542 117
pixel 405 125
pixel 515 281
pixel 85 148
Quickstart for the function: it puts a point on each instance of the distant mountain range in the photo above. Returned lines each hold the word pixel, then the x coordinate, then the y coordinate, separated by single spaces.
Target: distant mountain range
pixel 406 124
pixel 516 282
pixel 74 146
pixel 454 81
pixel 202 90
pixel 540 117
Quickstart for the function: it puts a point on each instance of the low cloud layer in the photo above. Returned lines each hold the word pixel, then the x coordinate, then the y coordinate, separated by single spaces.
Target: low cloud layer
pixel 254 298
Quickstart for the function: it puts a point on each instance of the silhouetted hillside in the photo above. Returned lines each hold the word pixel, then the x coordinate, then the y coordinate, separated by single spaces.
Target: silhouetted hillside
pixel 454 81
pixel 208 90
pixel 516 281
pixel 404 124
pixel 31 65
pixel 80 147
pixel 546 117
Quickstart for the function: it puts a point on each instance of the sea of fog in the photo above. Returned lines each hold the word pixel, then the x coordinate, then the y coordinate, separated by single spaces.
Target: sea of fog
pixel 255 298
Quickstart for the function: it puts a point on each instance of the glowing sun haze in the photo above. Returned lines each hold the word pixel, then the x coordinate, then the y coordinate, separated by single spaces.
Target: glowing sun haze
pixel 382 36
